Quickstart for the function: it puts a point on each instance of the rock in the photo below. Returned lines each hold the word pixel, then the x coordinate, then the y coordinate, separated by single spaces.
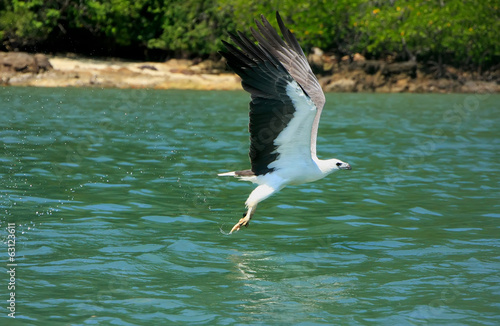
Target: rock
pixel 341 85
pixel 443 84
pixel 316 59
pixel 329 63
pixel 480 87
pixel 317 51
pixel 320 62
pixel 18 62
pixel 371 82
pixel 401 85
pixel 409 68
pixel 451 72
pixel 416 87
pixel 42 62
pixel 390 58
pixel 493 74
pixel 150 67
pixel 383 89
pixel 24 62
pixel 370 67
pixel 358 57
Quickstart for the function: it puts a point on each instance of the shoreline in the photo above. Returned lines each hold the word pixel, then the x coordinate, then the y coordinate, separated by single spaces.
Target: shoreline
pixel 59 71
pixel 83 72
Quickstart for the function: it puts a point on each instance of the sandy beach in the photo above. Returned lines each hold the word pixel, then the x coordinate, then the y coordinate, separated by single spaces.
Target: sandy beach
pixel 81 72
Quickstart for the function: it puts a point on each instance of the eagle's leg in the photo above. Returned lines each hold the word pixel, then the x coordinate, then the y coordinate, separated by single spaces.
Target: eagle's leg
pixel 245 220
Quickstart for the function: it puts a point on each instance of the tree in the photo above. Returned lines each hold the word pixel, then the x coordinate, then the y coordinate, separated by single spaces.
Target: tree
pixel 193 27
pixel 453 31
pixel 24 23
pixel 439 32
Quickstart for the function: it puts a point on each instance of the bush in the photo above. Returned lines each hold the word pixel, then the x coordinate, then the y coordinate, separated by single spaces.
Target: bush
pixel 457 32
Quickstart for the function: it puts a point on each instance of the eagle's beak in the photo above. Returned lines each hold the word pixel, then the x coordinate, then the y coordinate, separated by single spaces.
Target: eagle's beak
pixel 345 166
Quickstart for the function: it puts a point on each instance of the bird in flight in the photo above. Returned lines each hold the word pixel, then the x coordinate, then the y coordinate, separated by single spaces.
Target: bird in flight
pixel 285 108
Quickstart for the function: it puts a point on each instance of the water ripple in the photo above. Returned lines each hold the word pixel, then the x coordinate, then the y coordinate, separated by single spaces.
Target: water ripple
pixel 118 212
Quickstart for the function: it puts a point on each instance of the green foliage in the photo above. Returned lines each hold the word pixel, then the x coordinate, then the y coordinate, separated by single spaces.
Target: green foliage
pixel 320 23
pixel 27 22
pixel 124 22
pixel 193 27
pixel 459 32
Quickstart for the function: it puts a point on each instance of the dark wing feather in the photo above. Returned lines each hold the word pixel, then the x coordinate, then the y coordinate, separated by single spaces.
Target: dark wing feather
pixel 290 54
pixel 265 78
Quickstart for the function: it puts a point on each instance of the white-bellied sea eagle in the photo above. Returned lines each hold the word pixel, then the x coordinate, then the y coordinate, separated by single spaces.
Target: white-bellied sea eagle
pixel 285 108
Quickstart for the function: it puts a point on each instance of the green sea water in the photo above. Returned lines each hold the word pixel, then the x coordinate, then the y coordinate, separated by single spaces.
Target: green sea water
pixel 119 217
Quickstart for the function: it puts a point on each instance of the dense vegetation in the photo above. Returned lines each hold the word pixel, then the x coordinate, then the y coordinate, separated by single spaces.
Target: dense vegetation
pixel 463 33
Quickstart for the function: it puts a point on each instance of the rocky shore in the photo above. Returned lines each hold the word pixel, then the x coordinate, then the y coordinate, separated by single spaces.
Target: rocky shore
pixel 353 75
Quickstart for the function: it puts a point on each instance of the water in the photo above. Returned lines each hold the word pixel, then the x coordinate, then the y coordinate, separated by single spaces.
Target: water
pixel 118 211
